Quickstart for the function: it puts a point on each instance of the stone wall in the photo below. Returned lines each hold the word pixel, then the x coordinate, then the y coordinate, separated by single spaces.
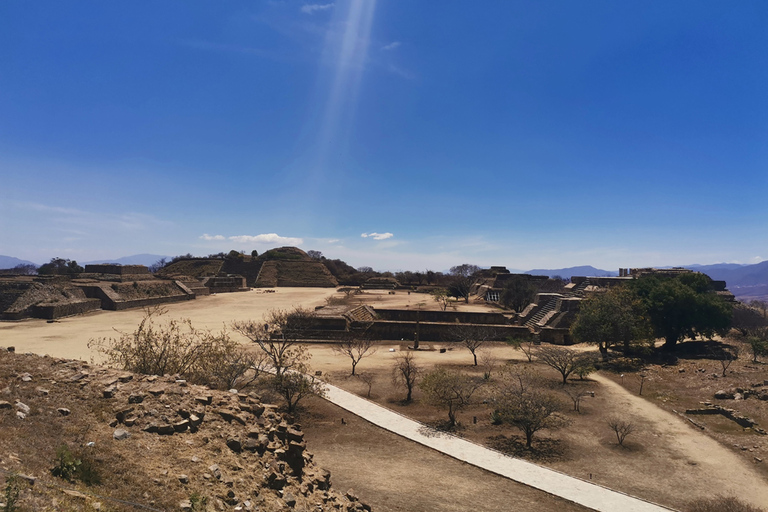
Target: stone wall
pixel 116 269
pixel 432 331
pixel 464 317
pixel 53 311
pixel 112 300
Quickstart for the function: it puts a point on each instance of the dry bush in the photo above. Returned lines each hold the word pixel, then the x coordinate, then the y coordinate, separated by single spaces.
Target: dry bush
pixel 177 348
pixel 721 504
pixel 520 400
pixel 622 428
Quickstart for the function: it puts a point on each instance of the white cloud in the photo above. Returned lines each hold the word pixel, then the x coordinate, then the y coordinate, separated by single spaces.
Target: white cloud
pixel 377 236
pixel 312 8
pixel 206 236
pixel 267 238
pixel 334 241
pixel 391 46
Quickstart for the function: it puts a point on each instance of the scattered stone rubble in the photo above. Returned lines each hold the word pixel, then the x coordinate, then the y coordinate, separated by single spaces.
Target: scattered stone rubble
pixel 273 469
pixel 731 414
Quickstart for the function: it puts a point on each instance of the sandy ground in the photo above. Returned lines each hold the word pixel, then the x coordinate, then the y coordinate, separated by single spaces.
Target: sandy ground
pixel 667 460
pixel 695 461
pixel 69 337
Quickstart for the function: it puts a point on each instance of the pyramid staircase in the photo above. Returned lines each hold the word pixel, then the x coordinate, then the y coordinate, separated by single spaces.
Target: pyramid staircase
pixel 547 308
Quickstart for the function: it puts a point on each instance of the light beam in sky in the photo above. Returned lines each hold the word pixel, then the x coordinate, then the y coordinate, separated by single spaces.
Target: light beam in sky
pixel 346 48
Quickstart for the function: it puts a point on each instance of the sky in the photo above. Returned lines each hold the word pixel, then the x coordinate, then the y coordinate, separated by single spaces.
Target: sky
pixel 394 134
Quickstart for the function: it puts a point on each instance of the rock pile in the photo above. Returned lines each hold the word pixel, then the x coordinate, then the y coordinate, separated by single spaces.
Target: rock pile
pixel 247 455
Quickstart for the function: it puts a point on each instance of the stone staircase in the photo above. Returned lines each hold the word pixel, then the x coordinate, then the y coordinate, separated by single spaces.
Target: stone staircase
pixel 543 311
pixel 578 291
pixel 361 314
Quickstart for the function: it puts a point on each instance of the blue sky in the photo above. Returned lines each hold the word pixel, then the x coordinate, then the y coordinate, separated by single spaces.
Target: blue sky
pixel 527 134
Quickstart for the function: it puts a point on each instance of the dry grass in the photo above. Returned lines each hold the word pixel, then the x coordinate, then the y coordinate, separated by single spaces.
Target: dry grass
pixel 651 464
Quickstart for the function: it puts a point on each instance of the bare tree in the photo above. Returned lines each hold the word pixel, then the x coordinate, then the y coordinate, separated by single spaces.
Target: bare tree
pixel 355 347
pixel 726 357
pixel 488 362
pixel 294 385
pixel 622 428
pixel 473 336
pixel 576 394
pixel 562 359
pixel 521 402
pixel 368 379
pixel 526 344
pixel 277 336
pixel 405 373
pixel 448 389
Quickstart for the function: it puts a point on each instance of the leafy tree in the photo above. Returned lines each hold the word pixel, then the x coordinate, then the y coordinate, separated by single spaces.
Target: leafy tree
pixel 441 296
pixel 617 316
pixel 315 255
pixel 60 266
pixel 462 278
pixel 682 306
pixel 519 401
pixel 448 389
pixel 406 373
pixel 517 293
pixel 758 345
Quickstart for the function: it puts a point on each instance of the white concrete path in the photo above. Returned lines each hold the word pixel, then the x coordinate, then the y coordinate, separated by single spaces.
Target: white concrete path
pixel 550 481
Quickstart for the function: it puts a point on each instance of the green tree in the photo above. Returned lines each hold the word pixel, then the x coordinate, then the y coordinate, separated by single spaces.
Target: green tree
pixel 517 293
pixel 617 316
pixel 440 295
pixel 60 266
pixel 682 306
pixel 462 279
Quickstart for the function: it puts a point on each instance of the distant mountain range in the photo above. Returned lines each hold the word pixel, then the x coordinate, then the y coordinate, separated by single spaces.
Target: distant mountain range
pixel 10 262
pixel 744 281
pixel 136 259
pixel 584 270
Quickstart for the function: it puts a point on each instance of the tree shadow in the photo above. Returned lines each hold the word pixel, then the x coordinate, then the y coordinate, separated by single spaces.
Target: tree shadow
pixel 542 450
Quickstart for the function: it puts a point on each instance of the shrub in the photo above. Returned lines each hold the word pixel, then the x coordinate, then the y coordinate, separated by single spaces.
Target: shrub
pixel 177 348
pixel 12 489
pixel 71 467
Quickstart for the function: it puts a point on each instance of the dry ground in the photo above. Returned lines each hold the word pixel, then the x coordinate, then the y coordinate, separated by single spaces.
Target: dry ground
pixel 667 460
pixel 69 337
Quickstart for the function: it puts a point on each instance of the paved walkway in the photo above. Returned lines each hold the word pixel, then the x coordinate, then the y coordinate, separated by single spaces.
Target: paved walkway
pixel 550 481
